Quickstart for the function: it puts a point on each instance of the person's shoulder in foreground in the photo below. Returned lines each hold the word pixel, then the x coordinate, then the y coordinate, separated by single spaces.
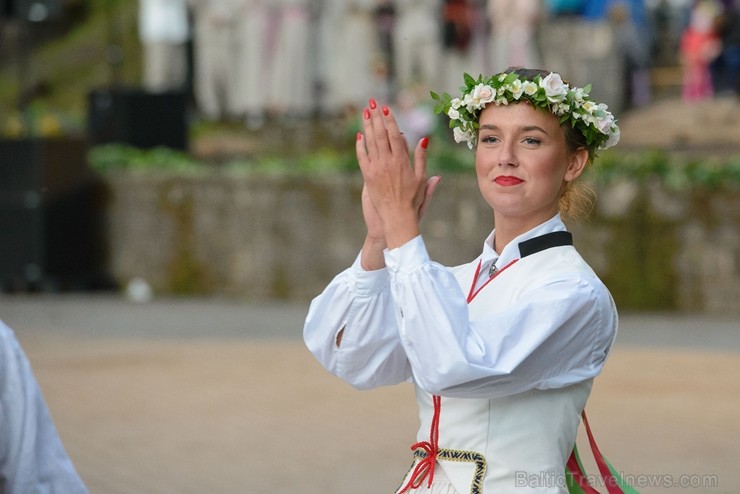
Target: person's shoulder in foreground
pixel 32 457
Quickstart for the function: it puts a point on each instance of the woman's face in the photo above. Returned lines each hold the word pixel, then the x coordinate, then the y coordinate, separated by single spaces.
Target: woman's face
pixel 522 163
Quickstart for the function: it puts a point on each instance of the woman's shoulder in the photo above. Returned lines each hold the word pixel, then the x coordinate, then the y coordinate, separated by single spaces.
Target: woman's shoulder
pixel 563 262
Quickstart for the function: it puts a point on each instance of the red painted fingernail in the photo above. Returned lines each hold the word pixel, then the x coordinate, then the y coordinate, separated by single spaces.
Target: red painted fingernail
pixel 386 111
pixel 366 114
pixel 373 104
pixel 424 142
pixel 359 136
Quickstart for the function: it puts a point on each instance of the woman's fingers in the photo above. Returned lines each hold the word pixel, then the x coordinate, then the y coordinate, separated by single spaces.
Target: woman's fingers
pixel 384 140
pixel 396 141
pixel 369 134
pixel 379 131
pixel 420 157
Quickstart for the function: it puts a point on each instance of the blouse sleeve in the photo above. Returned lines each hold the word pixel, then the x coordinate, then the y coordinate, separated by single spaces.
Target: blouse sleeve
pixel 358 304
pixel 554 335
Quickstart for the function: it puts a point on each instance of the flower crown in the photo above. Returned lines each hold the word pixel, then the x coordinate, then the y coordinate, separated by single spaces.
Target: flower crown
pixel 571 104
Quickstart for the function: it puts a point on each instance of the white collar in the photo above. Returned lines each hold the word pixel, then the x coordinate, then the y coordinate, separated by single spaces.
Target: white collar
pixel 511 251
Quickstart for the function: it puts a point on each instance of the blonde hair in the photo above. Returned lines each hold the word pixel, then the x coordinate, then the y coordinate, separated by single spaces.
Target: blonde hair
pixel 577 200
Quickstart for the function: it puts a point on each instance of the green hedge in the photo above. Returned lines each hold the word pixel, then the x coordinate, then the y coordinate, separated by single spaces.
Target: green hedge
pixel 676 172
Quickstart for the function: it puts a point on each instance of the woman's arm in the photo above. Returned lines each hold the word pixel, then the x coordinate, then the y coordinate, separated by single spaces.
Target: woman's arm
pixel 351 330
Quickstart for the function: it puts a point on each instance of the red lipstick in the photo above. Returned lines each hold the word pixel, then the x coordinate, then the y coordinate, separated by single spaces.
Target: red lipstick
pixel 506 180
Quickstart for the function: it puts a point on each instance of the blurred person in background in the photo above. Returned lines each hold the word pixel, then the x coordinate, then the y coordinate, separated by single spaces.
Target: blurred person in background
pixel 457 38
pixel 700 45
pixel 465 40
pixel 634 45
pixel 164 31
pixel 350 51
pixel 215 33
pixel 514 32
pixel 291 89
pixel 385 20
pixel 417 43
pixel 725 69
pixel 252 36
pixel 32 457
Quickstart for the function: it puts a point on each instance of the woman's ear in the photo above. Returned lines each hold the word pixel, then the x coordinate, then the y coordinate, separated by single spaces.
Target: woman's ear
pixel 576 165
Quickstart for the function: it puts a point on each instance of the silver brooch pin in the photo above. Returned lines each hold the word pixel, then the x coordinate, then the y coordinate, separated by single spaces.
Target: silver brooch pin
pixel 492 270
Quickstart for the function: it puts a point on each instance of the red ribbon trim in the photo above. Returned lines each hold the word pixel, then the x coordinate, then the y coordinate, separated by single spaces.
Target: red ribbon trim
pixel 612 485
pixel 425 467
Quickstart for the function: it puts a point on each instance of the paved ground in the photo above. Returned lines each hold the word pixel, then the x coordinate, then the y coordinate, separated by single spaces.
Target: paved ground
pixel 216 396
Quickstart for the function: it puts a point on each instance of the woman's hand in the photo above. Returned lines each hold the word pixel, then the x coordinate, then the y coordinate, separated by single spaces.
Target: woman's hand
pixel 372 251
pixel 398 192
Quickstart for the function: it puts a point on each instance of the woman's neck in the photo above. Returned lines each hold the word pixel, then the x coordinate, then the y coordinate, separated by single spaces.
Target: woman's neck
pixel 508 229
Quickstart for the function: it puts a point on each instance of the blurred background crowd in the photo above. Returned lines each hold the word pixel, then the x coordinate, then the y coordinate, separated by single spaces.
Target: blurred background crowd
pixel 254 61
pixel 251 59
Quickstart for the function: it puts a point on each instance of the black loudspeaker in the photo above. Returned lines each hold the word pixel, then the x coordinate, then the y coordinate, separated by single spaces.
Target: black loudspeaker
pixel 138 118
pixel 51 233
pixel 33 10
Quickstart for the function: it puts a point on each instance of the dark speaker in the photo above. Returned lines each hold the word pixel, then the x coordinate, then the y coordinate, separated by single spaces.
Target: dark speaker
pixel 50 215
pixel 138 118
pixel 33 10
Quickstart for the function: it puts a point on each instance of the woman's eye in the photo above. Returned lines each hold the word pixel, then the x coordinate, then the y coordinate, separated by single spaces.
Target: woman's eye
pixel 488 139
pixel 532 141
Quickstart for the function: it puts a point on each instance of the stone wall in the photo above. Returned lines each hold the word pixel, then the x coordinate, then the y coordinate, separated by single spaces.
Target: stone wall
pixel 269 237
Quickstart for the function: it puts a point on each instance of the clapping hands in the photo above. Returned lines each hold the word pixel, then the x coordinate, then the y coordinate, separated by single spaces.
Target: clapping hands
pixel 397 191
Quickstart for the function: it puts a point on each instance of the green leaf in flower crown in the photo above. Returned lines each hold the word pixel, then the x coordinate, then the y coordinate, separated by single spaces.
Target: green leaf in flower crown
pixel 511 78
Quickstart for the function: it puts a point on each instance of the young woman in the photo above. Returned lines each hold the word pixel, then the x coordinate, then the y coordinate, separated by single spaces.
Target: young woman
pixel 503 350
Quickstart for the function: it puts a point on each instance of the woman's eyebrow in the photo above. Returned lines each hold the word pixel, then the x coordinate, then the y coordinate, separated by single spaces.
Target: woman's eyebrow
pixel 526 128
pixel 530 128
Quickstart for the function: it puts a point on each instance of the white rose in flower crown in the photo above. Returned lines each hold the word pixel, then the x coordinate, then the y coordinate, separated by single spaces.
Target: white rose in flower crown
pixel 470 103
pixel 516 89
pixel 456 103
pixel 453 114
pixel 502 101
pixel 461 135
pixel 529 88
pixel 604 124
pixel 589 106
pixel 555 88
pixel 483 93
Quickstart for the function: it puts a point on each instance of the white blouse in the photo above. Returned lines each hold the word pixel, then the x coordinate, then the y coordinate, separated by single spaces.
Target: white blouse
pixel 496 350
pixel 412 318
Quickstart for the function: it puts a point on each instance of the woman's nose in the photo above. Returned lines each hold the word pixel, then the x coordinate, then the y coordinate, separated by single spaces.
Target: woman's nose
pixel 507 155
